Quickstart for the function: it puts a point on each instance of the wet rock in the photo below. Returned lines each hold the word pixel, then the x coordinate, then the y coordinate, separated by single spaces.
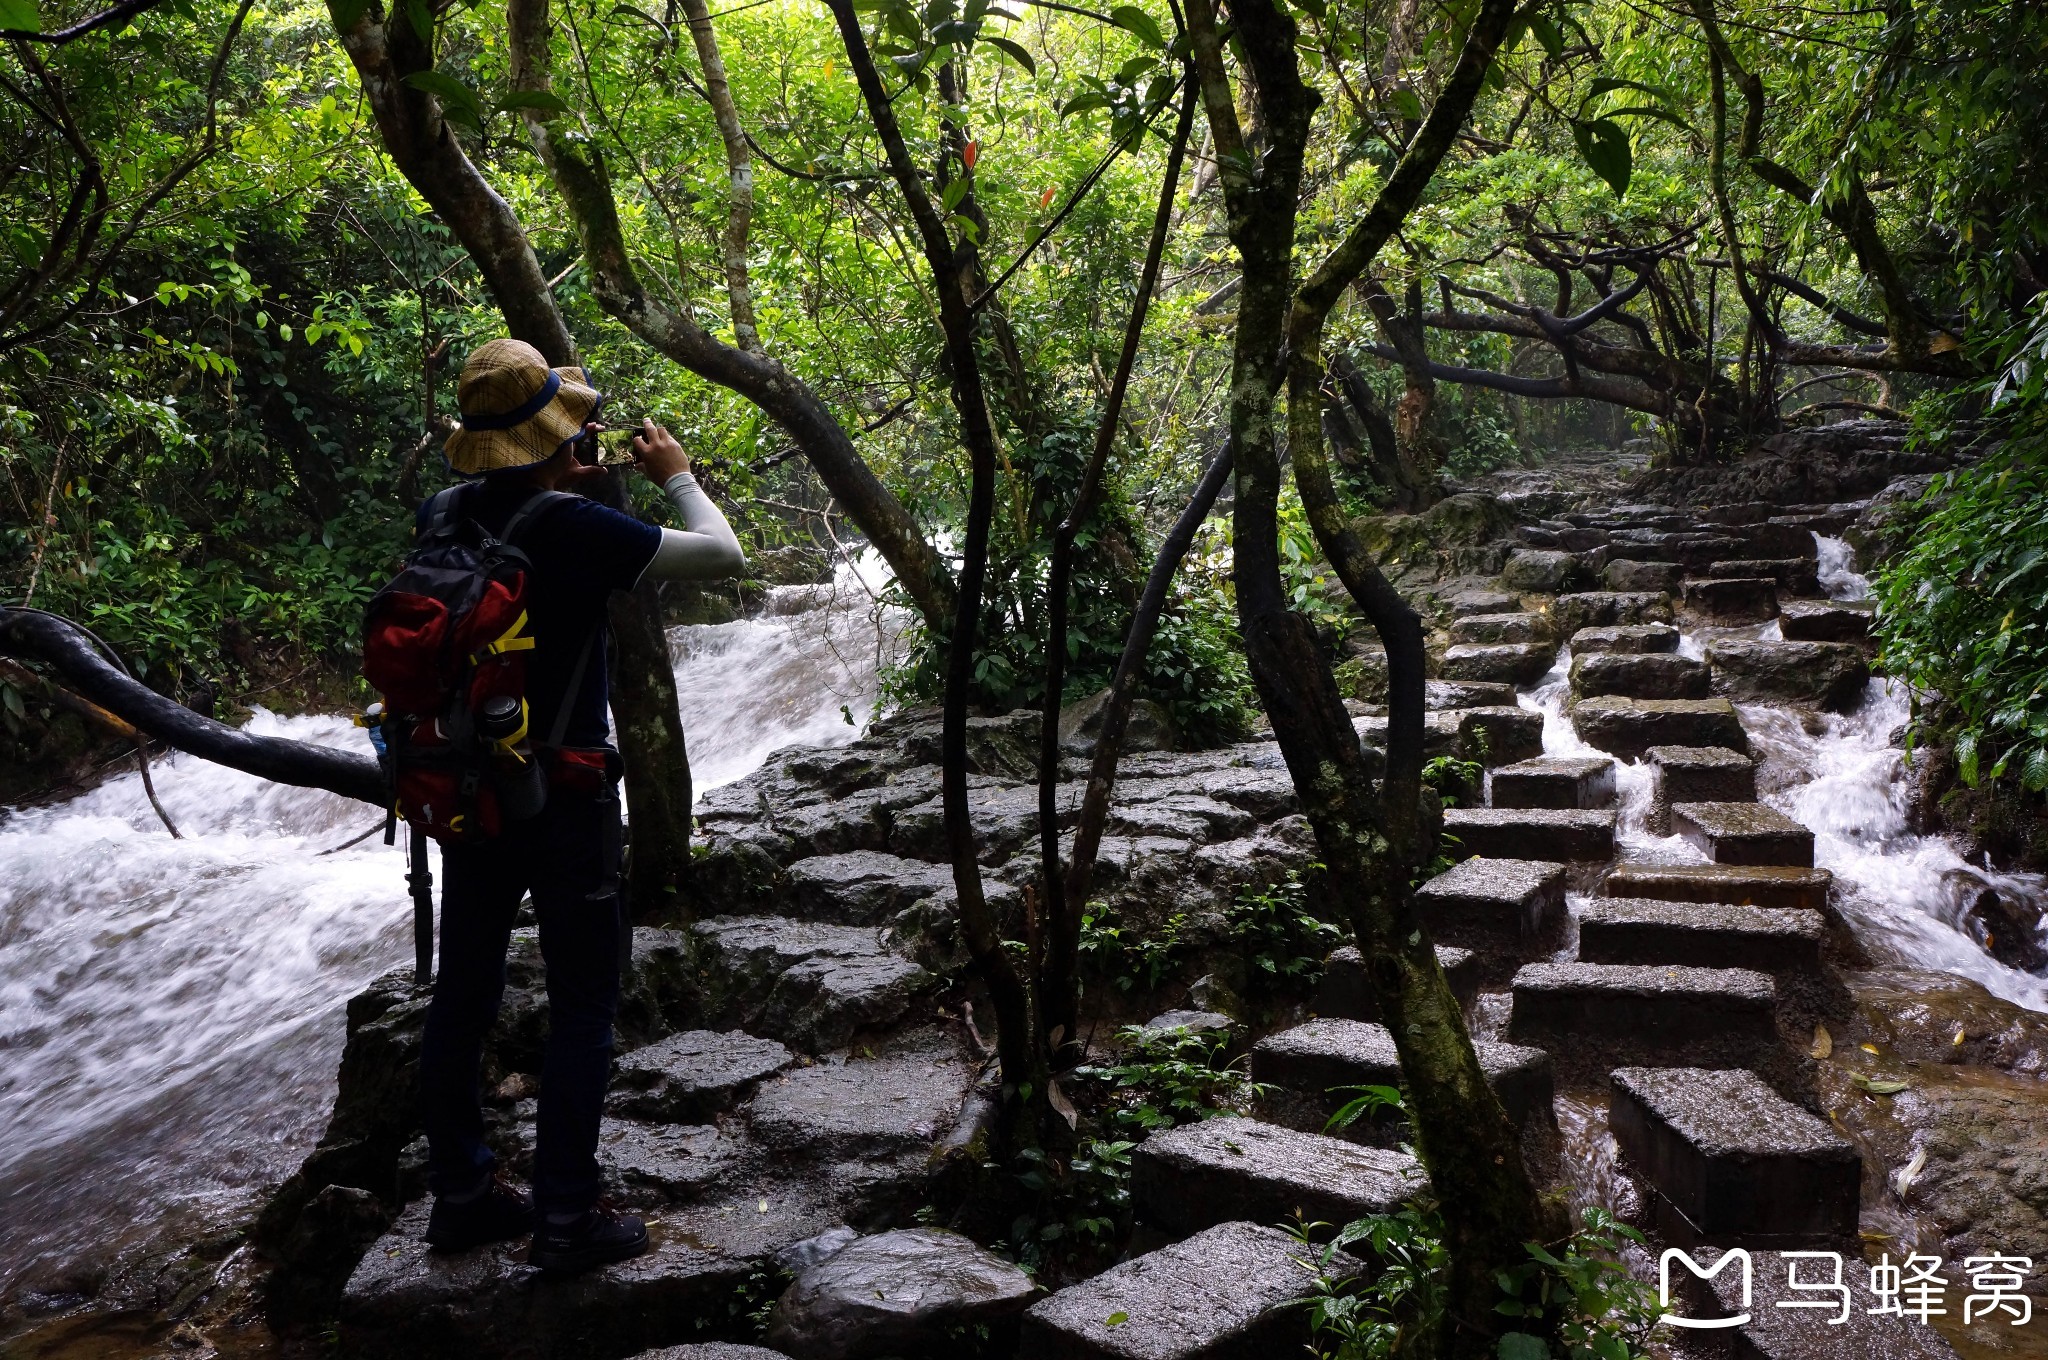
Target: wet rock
pixel 1579 835
pixel 1469 602
pixel 862 1107
pixel 656 1165
pixel 1734 1162
pixel 689 1077
pixel 1644 931
pixel 898 1294
pixel 1195 1022
pixel 1626 574
pixel 1166 1304
pixel 1219 1170
pixel 1004 747
pixel 1446 694
pixel 1629 727
pixel 1648 675
pixel 1326 1059
pixel 1825 620
pixel 1628 639
pixel 1608 608
pixel 810 985
pixel 1793 575
pixel 1502 734
pixel 1700 774
pixel 1740 884
pixel 1555 782
pixel 1930 1017
pixel 1507 663
pixel 862 887
pixel 1743 833
pixel 712 1350
pixel 1538 571
pixel 1346 993
pixel 1490 629
pixel 1831 675
pixel 1733 598
pixel 1362 677
pixel 1148 728
pixel 1504 909
pixel 1592 1016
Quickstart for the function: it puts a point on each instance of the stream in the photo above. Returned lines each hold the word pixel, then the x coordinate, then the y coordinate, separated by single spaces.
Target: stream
pixel 170 1010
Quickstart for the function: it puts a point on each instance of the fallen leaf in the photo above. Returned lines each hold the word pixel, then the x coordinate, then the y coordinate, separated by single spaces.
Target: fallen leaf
pixel 1902 1179
pixel 1116 1319
pixel 1823 1042
pixel 1060 1104
pixel 1870 1049
pixel 1958 1040
pixel 1876 1087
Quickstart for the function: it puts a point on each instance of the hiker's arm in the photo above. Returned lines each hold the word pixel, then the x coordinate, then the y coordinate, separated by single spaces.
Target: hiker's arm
pixel 705 547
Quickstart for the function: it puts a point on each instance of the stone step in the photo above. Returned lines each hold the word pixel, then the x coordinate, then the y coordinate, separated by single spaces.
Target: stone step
pixel 1628 727
pixel 1466 603
pixel 810 985
pixel 693 1076
pixel 1743 833
pixel 1230 1168
pixel 1831 675
pixel 1642 675
pixel 1624 573
pixel 1555 782
pixel 1593 1016
pixel 1696 774
pixel 1764 1318
pixel 1775 887
pixel 862 887
pixel 1628 638
pixel 1732 1161
pixel 1609 608
pixel 1733 598
pixel 712 1350
pixel 1825 620
pixel 1500 734
pixel 1445 694
pixel 1577 835
pixel 1704 935
pixel 1503 909
pixel 1489 629
pixel 1233 1291
pixel 1514 663
pixel 1546 571
pixel 1346 994
pixel 1794 575
pixel 1773 540
pixel 1318 1060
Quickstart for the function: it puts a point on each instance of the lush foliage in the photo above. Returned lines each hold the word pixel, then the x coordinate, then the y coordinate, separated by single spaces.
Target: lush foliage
pixel 1173 1075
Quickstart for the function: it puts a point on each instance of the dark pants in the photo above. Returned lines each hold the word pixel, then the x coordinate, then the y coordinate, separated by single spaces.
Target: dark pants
pixel 568 858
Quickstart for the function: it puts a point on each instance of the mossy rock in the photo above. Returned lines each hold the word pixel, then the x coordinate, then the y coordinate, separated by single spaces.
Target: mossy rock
pixel 1467 520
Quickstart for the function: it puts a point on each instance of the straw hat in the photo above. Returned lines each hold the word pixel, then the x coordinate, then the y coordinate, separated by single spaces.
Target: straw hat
pixel 516 411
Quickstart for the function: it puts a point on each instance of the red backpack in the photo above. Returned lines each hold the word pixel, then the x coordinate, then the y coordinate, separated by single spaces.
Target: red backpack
pixel 445 644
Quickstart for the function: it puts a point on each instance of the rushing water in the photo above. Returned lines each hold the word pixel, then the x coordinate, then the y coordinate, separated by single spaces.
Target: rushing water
pixel 170 1009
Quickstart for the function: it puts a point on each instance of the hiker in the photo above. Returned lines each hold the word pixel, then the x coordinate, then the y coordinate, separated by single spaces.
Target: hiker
pixel 521 424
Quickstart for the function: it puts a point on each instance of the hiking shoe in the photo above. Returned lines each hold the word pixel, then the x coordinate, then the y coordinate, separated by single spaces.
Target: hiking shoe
pixel 600 1237
pixel 502 1211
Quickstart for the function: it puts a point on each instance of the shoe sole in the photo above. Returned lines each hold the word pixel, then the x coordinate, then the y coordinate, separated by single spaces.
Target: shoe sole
pixel 577 1260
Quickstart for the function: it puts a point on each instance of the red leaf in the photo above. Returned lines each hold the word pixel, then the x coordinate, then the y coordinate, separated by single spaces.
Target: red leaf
pixel 1045 199
pixel 970 153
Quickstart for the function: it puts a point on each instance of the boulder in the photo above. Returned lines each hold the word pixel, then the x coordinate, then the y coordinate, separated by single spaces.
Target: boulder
pixel 1446 694
pixel 1497 628
pixel 907 1293
pixel 1628 727
pixel 810 985
pixel 1539 571
pixel 1830 675
pixel 862 887
pixel 1149 727
pixel 1733 598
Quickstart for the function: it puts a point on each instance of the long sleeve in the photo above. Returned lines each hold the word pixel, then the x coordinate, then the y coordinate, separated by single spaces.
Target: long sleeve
pixel 704 548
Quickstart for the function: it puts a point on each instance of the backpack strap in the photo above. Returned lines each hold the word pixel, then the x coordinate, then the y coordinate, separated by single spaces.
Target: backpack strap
pixel 441 507
pixel 574 689
pixel 530 509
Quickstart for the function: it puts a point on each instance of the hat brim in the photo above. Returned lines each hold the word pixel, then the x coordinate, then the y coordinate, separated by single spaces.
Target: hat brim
pixel 474 452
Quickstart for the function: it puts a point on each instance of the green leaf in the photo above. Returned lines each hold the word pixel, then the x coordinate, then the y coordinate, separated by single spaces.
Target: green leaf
pixel 1315 9
pixel 2034 773
pixel 1522 1346
pixel 1966 759
pixel 20 16
pixel 1548 34
pixel 459 103
pixel 547 101
pixel 1407 105
pixel 346 14
pixel 1605 146
pixel 955 190
pixel 1083 102
pixel 420 14
pixel 1131 19
pixel 1116 1319
pixel 1877 1087
pixel 1015 52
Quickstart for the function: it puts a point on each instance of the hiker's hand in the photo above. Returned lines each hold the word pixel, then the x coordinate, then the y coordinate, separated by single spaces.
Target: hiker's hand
pixel 581 474
pixel 656 453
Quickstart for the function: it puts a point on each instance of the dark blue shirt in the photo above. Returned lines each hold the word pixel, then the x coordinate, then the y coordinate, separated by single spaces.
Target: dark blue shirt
pixel 581 552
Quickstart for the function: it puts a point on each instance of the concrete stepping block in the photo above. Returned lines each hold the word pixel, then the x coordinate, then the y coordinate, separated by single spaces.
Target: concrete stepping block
pixel 1504 907
pixel 1743 833
pixel 1773 539
pixel 1703 935
pixel 1489 629
pixel 1630 574
pixel 1345 992
pixel 1794 575
pixel 1734 1162
pixel 1221 1170
pixel 1609 608
pixel 1696 550
pixel 1641 675
pixel 1696 774
pixel 1577 835
pixel 1232 1292
pixel 1555 782
pixel 1826 620
pixel 1522 663
pixel 1804 1332
pixel 712 1350
pixel 1446 694
pixel 1469 602
pixel 1626 638
pixel 1628 727
pixel 1831 675
pixel 1319 1058
pixel 1441 731
pixel 1501 734
pixel 690 1077
pixel 1773 886
pixel 1596 1012
pixel 1733 598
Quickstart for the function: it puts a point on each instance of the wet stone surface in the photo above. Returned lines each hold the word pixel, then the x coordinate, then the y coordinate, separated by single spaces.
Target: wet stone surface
pixel 1320 1058
pixel 712 1350
pixel 1593 1015
pixel 904 1294
pixel 1743 833
pixel 1346 993
pixel 1496 628
pixel 1628 639
pixel 1581 835
pixel 1628 727
pixel 812 986
pixel 1828 675
pixel 1505 663
pixel 1645 675
pixel 689 1077
pixel 1440 694
pixel 1171 1308
pixel 1793 575
pixel 1503 909
pixel 1825 620
pixel 864 1107
pixel 1215 1171
pixel 1734 598
pixel 1609 608
pixel 1733 1160
pixel 1642 931
pixel 1774 1333
pixel 1555 782
pixel 1761 885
